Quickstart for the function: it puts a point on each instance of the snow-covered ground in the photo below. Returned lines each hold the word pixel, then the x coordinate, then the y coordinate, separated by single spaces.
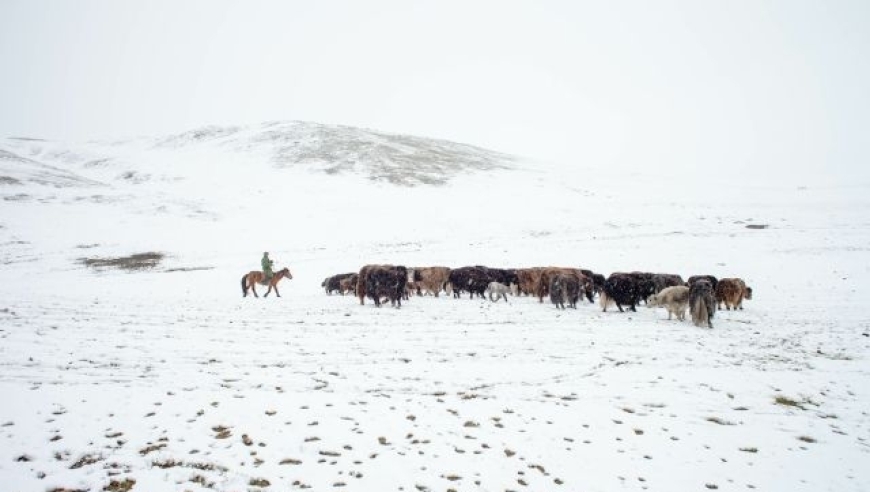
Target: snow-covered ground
pixel 167 379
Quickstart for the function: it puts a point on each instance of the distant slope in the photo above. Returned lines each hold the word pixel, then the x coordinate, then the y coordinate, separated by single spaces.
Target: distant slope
pixel 400 160
pixel 17 170
pixel 334 149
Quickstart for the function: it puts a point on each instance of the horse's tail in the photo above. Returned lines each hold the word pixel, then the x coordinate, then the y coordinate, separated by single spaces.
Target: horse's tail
pixel 244 287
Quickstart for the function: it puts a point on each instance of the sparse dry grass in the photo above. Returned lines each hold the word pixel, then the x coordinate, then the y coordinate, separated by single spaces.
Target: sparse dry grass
pixel 134 262
pixel 172 463
pixel 791 402
pixel 151 448
pixel 786 401
pixel 222 432
pixel 201 480
pixel 88 459
pixel 120 486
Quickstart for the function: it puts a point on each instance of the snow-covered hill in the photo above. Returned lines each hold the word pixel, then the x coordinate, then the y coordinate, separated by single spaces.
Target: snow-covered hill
pixel 165 378
pixel 332 149
pixel 17 170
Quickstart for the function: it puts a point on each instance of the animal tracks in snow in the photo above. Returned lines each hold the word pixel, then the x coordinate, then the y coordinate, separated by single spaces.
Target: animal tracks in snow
pixel 477 400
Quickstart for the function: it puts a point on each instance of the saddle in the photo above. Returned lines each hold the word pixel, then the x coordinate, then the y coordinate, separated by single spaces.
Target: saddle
pixel 266 280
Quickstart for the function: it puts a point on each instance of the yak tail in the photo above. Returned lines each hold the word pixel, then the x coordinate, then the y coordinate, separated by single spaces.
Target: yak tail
pixel 604 300
pixel 244 287
pixel 711 310
pixel 700 314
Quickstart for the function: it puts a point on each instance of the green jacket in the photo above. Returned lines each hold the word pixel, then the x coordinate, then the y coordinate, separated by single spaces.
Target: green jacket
pixel 267 265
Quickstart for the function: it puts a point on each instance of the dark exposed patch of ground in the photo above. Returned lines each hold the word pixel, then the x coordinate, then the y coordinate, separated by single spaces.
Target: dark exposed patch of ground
pixel 120 486
pixel 134 262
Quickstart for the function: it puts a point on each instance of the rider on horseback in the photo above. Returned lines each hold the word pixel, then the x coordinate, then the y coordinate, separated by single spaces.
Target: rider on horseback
pixel 266 263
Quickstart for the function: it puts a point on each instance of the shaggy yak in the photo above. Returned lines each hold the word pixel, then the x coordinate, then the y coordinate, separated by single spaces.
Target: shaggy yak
pixel 431 279
pixel 387 283
pixel 732 291
pixel 644 285
pixel 548 274
pixel 662 281
pixel 675 299
pixel 471 279
pixel 527 280
pixel 496 291
pixel 596 278
pixel 382 281
pixel 709 278
pixel 620 289
pixel 702 303
pixel 333 283
pixel 564 288
pixel 348 284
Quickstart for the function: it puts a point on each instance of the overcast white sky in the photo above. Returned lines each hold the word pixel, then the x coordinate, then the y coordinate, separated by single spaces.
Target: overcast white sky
pixel 724 85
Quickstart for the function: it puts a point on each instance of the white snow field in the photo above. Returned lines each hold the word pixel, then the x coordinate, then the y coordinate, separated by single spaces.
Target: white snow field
pixel 166 378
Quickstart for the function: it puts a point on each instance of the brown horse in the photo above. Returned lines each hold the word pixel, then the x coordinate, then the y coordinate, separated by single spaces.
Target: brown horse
pixel 250 279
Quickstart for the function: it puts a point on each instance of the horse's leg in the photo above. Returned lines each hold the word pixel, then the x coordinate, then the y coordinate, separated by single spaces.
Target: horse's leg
pixel 254 288
pixel 268 290
pixel 276 290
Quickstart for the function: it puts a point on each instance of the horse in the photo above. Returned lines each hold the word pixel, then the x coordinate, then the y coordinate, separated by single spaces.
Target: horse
pixel 251 279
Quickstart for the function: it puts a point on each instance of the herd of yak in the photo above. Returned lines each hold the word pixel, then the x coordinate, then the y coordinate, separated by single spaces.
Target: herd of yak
pixel 702 295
